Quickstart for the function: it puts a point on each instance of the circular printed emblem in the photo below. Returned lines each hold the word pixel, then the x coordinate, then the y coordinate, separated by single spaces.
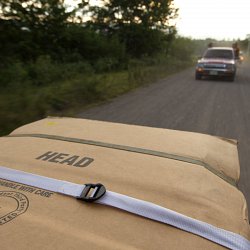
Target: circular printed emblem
pixel 12 204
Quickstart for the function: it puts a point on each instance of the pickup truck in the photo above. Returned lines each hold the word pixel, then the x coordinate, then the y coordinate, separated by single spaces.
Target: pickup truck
pixel 217 62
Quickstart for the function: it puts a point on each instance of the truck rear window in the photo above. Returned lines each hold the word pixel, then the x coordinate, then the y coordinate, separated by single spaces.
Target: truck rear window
pixel 219 53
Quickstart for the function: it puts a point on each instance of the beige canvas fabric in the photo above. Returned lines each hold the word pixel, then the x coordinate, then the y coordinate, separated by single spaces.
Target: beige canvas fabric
pixel 51 221
pixel 209 149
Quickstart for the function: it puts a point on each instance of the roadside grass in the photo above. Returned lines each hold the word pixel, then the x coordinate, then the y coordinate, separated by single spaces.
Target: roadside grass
pixel 22 102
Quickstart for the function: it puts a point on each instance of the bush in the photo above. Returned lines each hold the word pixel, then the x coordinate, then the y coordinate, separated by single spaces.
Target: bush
pixel 43 72
pixel 106 65
pixel 13 75
pixel 182 49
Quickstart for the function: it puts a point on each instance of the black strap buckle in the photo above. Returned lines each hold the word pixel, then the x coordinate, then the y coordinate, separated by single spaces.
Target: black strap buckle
pixel 92 192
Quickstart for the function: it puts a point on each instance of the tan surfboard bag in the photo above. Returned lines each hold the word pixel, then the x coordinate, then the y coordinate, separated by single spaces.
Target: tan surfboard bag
pixel 193 174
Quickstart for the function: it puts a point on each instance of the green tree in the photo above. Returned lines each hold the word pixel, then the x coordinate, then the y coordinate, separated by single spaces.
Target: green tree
pixel 37 25
pixel 143 26
pixel 183 49
pixel 114 14
pixel 36 14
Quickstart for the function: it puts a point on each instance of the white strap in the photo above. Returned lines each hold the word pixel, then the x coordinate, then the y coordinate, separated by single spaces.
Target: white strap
pixel 135 206
pixel 54 185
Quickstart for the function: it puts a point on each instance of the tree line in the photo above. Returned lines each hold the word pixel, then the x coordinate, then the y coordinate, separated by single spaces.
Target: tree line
pixel 115 29
pixel 56 58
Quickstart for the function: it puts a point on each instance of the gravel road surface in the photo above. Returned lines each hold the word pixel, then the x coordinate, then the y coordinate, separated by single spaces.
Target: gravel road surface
pixel 179 102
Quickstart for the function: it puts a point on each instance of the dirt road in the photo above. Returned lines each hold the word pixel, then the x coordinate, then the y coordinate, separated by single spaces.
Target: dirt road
pixel 179 102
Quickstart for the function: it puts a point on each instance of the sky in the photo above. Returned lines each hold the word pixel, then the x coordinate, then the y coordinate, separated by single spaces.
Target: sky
pixel 218 19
